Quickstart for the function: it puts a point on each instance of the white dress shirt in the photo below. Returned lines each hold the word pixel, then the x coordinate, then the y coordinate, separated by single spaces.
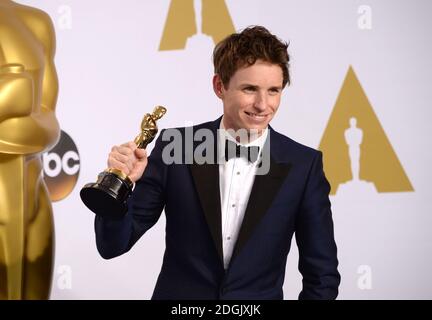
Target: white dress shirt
pixel 236 177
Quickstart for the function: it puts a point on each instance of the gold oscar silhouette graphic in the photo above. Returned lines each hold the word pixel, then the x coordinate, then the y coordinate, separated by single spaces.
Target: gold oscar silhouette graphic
pixel 376 161
pixel 28 127
pixel 108 195
pixel 188 19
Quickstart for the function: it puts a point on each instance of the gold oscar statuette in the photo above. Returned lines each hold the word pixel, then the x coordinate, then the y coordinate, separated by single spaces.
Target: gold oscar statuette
pixel 108 195
pixel 28 128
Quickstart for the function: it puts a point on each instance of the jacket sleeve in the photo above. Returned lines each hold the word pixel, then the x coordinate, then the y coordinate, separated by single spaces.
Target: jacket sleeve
pixel 315 238
pixel 145 205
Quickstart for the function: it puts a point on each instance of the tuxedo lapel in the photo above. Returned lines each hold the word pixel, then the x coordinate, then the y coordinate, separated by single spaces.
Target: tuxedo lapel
pixel 206 179
pixel 264 189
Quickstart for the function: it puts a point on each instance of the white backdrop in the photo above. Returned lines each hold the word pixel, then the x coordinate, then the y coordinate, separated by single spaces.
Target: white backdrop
pixel 111 73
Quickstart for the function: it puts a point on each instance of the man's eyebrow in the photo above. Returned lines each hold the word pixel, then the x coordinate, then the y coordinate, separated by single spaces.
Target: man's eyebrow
pixel 276 87
pixel 254 86
pixel 245 85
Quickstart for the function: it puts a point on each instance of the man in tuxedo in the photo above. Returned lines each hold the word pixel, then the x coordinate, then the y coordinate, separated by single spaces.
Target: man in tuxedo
pixel 229 222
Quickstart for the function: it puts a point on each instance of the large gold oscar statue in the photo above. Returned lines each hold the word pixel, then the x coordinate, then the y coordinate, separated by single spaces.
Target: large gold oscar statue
pixel 28 127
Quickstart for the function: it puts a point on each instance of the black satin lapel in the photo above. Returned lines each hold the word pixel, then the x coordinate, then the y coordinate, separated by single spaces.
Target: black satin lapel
pixel 206 178
pixel 264 189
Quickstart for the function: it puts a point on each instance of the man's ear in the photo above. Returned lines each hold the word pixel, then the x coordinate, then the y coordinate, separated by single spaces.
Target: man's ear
pixel 218 86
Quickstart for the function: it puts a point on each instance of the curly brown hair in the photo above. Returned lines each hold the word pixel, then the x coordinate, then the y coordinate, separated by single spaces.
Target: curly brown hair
pixel 245 48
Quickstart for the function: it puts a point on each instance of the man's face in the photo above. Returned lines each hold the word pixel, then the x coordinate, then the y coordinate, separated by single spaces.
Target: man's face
pixel 252 96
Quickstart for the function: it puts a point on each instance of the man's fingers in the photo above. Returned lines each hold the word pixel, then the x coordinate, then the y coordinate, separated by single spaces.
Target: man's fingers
pixel 129 161
pixel 119 166
pixel 131 145
pixel 126 161
pixel 124 150
pixel 118 156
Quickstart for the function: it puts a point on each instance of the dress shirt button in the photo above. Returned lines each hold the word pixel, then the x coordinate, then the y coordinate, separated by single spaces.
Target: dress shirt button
pixel 233 205
pixel 238 173
pixel 228 238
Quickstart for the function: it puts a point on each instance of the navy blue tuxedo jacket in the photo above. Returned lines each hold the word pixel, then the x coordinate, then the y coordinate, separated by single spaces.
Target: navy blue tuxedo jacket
pixel 291 199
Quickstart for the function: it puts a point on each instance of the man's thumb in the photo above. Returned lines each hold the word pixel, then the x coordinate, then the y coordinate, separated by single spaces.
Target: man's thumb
pixel 140 153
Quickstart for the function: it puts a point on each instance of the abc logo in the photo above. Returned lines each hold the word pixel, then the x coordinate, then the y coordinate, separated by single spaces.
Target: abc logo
pixel 61 168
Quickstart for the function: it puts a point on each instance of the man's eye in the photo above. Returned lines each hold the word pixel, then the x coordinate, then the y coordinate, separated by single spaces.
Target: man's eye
pixel 249 89
pixel 274 91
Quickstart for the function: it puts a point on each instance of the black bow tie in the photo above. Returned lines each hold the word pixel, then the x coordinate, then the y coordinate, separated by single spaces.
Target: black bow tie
pixel 233 150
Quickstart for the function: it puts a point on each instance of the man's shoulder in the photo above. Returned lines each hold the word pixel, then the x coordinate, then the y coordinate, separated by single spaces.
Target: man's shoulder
pixel 292 148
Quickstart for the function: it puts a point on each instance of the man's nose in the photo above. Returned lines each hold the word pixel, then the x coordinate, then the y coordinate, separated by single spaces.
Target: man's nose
pixel 261 101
